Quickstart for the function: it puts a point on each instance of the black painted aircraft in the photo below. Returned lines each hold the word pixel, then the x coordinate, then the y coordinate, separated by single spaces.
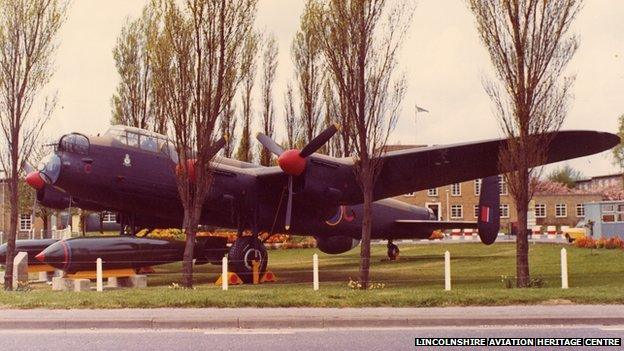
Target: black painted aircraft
pixel 132 172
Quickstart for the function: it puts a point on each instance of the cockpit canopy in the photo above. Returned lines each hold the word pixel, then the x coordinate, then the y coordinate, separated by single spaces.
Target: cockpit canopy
pixel 74 142
pixel 143 139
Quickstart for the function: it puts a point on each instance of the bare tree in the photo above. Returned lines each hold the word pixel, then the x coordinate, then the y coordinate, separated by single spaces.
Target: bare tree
pixel 290 118
pixel 360 40
pixel 335 146
pixel 248 73
pixel 308 59
pixel 269 70
pixel 194 60
pixel 228 128
pixel 130 102
pixel 529 48
pixel 28 29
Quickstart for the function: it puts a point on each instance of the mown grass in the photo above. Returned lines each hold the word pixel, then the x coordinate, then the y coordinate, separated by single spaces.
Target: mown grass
pixel 417 279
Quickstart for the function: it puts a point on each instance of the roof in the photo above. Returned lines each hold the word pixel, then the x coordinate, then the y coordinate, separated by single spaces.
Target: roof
pixel 614 175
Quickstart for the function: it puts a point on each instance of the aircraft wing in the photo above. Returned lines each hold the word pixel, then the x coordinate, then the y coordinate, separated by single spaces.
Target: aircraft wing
pixel 410 170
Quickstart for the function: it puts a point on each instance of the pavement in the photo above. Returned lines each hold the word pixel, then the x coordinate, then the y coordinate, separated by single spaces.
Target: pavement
pixel 302 318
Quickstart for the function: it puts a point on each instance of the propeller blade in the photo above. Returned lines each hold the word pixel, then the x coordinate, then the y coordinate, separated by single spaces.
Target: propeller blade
pixel 217 146
pixel 28 168
pixel 289 204
pixel 319 140
pixel 270 144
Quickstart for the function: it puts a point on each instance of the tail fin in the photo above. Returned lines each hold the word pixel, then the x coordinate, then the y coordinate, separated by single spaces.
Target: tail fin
pixel 489 210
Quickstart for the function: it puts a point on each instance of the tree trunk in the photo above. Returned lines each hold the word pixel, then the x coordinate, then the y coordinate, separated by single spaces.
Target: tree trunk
pixel 45 219
pixel 367 191
pixel 190 229
pixel 13 195
pixel 522 240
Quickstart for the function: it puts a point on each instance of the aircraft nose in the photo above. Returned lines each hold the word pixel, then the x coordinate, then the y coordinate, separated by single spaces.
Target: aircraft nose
pixel 55 255
pixel 34 180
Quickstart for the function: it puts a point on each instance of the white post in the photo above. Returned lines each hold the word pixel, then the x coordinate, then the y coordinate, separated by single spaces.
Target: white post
pixel 564 269
pixel 98 274
pixel 315 272
pixel 447 271
pixel 224 273
pixel 41 233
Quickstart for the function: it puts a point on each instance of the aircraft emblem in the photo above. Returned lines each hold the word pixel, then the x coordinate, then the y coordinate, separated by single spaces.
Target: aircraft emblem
pixel 127 161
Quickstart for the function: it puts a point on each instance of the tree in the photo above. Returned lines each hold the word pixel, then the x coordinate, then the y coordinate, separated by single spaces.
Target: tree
pixel 28 30
pixel 335 148
pixel 269 70
pixel 360 40
pixel 529 49
pixel 248 73
pixel 228 128
pixel 618 151
pixel 565 175
pixel 131 102
pixel 196 60
pixel 307 57
pixel 290 118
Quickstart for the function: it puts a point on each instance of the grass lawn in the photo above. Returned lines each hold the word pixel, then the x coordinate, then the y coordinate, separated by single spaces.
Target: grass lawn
pixel 417 279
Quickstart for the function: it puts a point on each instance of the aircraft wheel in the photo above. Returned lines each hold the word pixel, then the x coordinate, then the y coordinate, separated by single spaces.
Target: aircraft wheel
pixel 393 252
pixel 243 252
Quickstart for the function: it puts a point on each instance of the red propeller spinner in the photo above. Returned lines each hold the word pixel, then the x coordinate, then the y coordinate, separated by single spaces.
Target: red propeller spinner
pixel 293 162
pixel 35 180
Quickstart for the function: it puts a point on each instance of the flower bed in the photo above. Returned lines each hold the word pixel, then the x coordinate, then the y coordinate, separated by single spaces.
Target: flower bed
pixel 602 243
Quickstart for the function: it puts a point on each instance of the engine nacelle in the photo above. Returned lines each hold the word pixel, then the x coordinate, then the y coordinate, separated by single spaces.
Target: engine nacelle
pixel 336 244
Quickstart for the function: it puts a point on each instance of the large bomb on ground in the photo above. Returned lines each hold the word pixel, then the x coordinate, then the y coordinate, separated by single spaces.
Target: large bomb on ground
pixel 31 247
pixel 80 254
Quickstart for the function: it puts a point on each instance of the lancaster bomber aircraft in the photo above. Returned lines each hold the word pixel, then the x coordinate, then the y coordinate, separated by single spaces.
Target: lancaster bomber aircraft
pixel 132 172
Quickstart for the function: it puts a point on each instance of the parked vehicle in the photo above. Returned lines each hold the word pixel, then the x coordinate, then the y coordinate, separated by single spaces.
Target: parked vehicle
pixel 578 231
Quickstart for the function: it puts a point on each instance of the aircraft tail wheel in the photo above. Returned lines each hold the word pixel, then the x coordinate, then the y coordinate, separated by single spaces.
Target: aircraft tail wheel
pixel 243 252
pixel 393 252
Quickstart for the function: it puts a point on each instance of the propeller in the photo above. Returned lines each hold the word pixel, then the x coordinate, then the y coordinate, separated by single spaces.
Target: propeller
pixel 33 178
pixel 190 163
pixel 293 162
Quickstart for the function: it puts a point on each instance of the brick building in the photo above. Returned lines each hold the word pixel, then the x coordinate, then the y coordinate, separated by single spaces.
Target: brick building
pixel 601 182
pixel 459 202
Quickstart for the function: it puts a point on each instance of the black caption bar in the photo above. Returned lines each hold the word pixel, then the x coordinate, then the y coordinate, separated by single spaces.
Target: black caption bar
pixel 518 342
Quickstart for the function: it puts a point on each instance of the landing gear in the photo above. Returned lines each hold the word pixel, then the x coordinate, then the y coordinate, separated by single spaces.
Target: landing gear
pixel 393 251
pixel 243 252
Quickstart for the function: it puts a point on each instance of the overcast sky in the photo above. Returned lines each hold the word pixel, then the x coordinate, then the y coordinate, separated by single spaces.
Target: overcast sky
pixel 442 58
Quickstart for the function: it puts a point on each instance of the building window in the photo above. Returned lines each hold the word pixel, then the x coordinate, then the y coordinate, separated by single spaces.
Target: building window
pixel 612 213
pixel 540 210
pixel 457 211
pixel 561 210
pixel 504 211
pixel 477 187
pixel 409 194
pixel 456 189
pixel 432 192
pixel 476 211
pixel 25 222
pixel 580 210
pixel 502 185
pixel 109 217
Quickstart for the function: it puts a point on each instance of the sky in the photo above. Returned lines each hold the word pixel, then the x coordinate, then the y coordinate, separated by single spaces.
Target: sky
pixel 442 58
